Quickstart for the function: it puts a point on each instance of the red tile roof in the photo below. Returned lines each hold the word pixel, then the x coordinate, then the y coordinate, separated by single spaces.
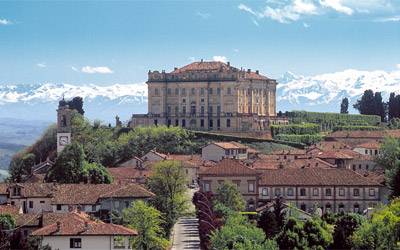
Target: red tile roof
pixel 314 177
pixel 81 224
pixel 228 167
pixel 9 209
pixel 229 145
pixel 128 173
pixel 369 145
pixel 291 163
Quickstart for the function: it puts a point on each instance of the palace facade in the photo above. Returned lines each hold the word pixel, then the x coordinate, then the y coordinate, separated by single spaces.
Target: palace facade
pixel 210 96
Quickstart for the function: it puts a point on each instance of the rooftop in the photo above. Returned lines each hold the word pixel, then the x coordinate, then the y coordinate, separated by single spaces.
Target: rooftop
pixel 228 167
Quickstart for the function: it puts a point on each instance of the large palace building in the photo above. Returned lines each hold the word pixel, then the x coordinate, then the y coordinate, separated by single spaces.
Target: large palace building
pixel 210 96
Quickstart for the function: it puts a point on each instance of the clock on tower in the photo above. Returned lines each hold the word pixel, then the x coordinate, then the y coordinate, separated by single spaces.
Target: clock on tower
pixel 64 114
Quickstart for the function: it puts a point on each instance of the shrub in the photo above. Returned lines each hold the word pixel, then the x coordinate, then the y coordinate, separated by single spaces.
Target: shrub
pixel 297 129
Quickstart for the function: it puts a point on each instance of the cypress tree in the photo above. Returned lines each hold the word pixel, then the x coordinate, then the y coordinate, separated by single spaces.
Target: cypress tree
pixel 391 106
pixel 344 106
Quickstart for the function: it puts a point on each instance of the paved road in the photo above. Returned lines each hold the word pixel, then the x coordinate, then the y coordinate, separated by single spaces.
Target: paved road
pixel 186 234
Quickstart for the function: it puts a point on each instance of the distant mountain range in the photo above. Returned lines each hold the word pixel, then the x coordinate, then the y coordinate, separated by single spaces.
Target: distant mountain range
pixel 295 92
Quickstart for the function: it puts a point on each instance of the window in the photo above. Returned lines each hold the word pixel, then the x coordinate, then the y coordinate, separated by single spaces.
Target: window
pixel 218 123
pixel 193 110
pixel 193 91
pixel 58 207
pixel 176 110
pixel 220 182
pixel 228 123
pixel 251 186
pixel 218 110
pixel 356 192
pixel 356 208
pixel 354 167
pixel 303 207
pixel 169 109
pixel 264 192
pixel 202 100
pixel 290 192
pixel 127 203
pixel 328 192
pixel 315 191
pixel 169 91
pixel 156 122
pixel 237 182
pixel 156 91
pixel 211 123
pixel 183 100
pixel 302 192
pixel 227 151
pixel 328 207
pixel 277 192
pixel 341 191
pixel 16 191
pixel 366 167
pixel 119 242
pixel 371 192
pixel 210 110
pixel 218 91
pixel 341 208
pixel 184 110
pixel 176 123
pixel 210 91
pixel 376 151
pixel 41 202
pixel 202 92
pixel 202 110
pixel 116 203
pixel 229 91
pixel 169 122
pixel 202 123
pixel 183 123
pixel 207 187
pixel 183 92
pixel 75 243
pixel 366 151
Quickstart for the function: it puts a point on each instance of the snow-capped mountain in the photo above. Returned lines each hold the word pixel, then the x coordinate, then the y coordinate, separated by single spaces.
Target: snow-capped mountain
pixel 324 92
pixel 295 92
pixel 100 102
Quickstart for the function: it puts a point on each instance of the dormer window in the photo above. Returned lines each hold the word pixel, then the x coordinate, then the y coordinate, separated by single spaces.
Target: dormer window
pixel 16 191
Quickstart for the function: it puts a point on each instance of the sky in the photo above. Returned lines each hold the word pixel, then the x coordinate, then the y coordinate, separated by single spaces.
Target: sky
pixel 108 42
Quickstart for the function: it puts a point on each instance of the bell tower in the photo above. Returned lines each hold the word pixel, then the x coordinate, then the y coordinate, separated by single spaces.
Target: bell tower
pixel 64 116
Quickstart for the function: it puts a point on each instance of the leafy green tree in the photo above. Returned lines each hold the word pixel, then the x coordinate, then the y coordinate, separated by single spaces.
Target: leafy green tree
pixel 382 231
pixel 95 173
pixel 392 106
pixel 344 106
pixel 21 165
pixel 228 195
pixel 238 233
pixel 147 221
pixel 7 222
pixel 279 212
pixel 317 234
pixel 390 153
pixel 365 105
pixel 379 106
pixel 169 185
pixel 292 235
pixel 69 165
pixel 345 226
pixel 394 123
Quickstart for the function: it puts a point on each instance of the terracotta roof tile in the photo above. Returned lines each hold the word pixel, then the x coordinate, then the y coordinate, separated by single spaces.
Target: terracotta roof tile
pixel 291 163
pixel 128 173
pixel 314 176
pixel 81 224
pixel 229 167
pixel 369 145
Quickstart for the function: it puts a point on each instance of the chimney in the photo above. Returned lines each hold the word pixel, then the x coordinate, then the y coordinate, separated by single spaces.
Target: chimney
pixel 248 70
pixel 58 227
pixel 229 63
pixel 257 72
pixel 176 68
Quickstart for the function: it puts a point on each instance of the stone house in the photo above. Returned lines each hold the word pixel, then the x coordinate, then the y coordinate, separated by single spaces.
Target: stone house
pixel 233 171
pixel 333 190
pixel 217 151
pixel 372 148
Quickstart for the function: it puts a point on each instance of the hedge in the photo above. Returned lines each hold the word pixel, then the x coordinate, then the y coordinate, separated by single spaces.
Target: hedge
pixel 304 139
pixel 363 128
pixel 297 129
pixel 328 121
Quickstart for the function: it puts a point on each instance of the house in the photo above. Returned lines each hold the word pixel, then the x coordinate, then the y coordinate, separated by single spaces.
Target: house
pixel 129 174
pixel 233 171
pixel 77 230
pixel 333 190
pixel 134 162
pixel 217 151
pixel 356 137
pixel 3 193
pixel 309 162
pixel 154 156
pixel 371 148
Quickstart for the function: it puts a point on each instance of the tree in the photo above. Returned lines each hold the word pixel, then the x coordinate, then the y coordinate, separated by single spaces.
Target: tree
pixel 382 231
pixel 292 235
pixel 344 106
pixel 228 195
pixel 279 212
pixel 95 173
pixel 365 105
pixel 168 184
pixel 7 222
pixel 238 233
pixel 379 106
pixel 317 234
pixel 389 153
pixel 267 222
pixel 391 106
pixel 147 221
pixel 345 226
pixel 21 165
pixel 68 166
pixel 76 103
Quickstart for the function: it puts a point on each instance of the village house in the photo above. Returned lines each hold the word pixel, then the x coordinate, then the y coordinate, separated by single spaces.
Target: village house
pixel 356 137
pixel 333 190
pixel 371 148
pixel 77 230
pixel 233 171
pixel 217 151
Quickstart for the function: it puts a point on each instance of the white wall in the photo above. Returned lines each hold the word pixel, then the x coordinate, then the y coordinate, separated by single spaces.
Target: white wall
pixel 212 152
pixel 88 242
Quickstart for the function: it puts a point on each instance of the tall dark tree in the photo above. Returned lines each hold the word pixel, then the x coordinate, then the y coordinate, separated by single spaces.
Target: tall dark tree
pixel 365 105
pixel 280 214
pixel 344 106
pixel 267 222
pixel 391 106
pixel 77 104
pixel 379 106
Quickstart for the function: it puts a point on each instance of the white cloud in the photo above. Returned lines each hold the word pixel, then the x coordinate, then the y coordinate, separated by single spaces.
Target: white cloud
pixel 220 59
pixel 5 22
pixel 94 70
pixel 306 25
pixel 247 9
pixel 203 15
pixel 398 66
pixel 74 69
pixel 41 65
pixel 388 19
pixel 337 5
pixel 255 22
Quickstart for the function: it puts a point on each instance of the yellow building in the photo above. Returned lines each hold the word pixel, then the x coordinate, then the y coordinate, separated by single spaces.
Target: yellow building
pixel 210 96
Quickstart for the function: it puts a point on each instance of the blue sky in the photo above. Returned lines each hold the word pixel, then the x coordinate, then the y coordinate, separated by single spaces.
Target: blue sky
pixel 106 42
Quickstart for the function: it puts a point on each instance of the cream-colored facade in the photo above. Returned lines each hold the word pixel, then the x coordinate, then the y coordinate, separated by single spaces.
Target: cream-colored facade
pixel 210 96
